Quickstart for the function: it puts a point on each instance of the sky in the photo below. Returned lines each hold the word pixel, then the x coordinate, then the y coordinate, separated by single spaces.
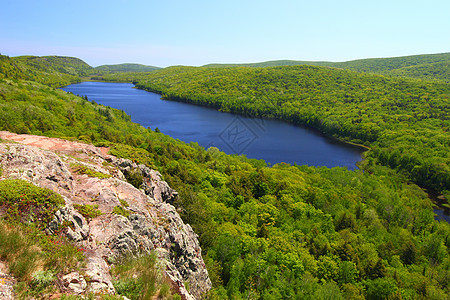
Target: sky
pixel 171 32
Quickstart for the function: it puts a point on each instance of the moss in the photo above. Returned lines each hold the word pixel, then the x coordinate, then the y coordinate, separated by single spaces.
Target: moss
pixel 26 202
pixel 82 169
pixel 88 211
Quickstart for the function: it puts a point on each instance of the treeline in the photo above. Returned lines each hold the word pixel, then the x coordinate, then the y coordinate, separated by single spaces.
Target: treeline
pixel 267 233
pixel 404 121
pixel 426 66
pixel 126 68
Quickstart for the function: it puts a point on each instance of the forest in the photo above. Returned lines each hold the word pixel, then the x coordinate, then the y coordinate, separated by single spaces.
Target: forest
pixel 285 231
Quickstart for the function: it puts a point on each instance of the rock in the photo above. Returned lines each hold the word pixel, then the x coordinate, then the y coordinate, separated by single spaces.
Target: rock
pixel 6 283
pixel 152 222
pixel 74 283
pixel 97 270
pixel 78 230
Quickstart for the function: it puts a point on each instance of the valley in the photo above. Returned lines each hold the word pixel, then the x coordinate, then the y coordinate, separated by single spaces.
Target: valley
pixel 288 230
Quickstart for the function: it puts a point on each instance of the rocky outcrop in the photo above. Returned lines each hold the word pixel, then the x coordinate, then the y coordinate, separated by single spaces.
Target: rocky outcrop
pixel 6 283
pixel 152 222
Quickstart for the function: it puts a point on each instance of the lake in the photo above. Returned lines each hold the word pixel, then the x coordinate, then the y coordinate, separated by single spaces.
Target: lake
pixel 271 140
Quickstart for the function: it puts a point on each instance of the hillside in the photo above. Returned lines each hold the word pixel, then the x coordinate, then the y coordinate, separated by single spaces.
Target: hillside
pixel 62 64
pixel 126 68
pixel 53 71
pixel 281 232
pixel 438 70
pixel 382 65
pixel 10 69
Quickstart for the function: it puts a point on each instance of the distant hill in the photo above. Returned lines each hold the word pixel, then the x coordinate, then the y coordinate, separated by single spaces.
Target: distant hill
pixel 426 66
pixel 380 65
pixel 62 64
pixel 438 70
pixel 272 63
pixel 53 71
pixel 126 68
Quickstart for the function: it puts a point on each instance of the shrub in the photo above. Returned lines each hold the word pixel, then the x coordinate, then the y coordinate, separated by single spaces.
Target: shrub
pixel 42 279
pixel 26 202
pixel 135 178
pixel 88 211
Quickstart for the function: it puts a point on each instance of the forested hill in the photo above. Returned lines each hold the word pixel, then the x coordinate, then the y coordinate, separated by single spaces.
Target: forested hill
pixel 126 68
pixel 62 64
pixel 427 66
pixel 404 121
pixel 53 71
pixel 284 232
pixel 272 63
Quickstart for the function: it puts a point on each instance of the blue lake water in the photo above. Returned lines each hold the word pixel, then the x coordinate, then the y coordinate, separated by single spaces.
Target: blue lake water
pixel 273 141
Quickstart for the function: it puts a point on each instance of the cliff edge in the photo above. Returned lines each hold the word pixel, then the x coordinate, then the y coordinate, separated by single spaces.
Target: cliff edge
pixel 83 174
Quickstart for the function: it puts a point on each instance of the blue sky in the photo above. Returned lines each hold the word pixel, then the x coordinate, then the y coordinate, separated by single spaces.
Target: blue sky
pixel 172 32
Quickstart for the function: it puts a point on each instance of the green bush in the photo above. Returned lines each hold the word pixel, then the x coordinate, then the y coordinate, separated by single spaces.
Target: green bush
pixel 88 211
pixel 42 279
pixel 135 178
pixel 26 202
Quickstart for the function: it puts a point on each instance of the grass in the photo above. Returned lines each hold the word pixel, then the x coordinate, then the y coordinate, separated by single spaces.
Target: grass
pixel 139 277
pixel 134 177
pixel 124 203
pixel 84 170
pixel 35 259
